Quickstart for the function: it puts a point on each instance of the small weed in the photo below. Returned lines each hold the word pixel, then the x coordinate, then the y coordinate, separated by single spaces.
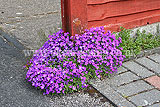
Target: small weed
pixel 125 96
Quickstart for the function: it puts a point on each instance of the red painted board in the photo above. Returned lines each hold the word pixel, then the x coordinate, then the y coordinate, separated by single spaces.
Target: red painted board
pixel 124 7
pixel 128 21
pixel 78 15
pixel 100 1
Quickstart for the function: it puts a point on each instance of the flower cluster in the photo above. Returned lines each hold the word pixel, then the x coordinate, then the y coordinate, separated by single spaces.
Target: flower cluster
pixel 66 63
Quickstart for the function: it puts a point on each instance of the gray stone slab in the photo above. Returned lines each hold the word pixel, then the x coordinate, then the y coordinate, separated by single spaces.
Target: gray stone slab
pixel 155 105
pixel 111 94
pixel 149 64
pixel 121 70
pixel 31 32
pixel 15 8
pixel 120 79
pixel 126 104
pixel 134 88
pixel 138 69
pixel 155 57
pixel 146 98
pixel 25 19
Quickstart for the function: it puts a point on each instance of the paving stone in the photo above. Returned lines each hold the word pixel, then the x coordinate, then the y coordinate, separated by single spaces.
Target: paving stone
pixel 98 83
pixel 120 79
pixel 134 88
pixel 155 105
pixel 146 98
pixel 155 57
pixel 154 80
pixel 126 104
pixel 138 69
pixel 149 64
pixel 121 70
pixel 111 94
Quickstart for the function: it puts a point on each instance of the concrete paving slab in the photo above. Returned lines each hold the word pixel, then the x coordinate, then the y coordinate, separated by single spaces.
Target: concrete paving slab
pixel 149 64
pixel 146 98
pixel 134 88
pixel 15 8
pixel 111 94
pixel 29 32
pixel 25 19
pixel 121 70
pixel 155 105
pixel 138 69
pixel 126 104
pixel 121 79
pixel 155 57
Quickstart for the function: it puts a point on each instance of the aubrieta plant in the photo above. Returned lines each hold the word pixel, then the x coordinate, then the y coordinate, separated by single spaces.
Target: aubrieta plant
pixel 66 63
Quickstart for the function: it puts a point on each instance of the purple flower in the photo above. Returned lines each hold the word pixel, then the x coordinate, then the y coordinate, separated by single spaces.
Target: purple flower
pixel 74 88
pixel 62 62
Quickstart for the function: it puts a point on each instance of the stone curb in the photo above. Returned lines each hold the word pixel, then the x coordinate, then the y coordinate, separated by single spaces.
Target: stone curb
pixel 111 102
pixel 144 53
pixel 113 96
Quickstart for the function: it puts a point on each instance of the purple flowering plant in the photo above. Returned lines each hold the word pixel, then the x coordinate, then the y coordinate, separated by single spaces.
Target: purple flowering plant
pixel 65 63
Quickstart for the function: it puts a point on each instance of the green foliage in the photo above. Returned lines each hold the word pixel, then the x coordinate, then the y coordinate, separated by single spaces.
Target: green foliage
pixel 134 45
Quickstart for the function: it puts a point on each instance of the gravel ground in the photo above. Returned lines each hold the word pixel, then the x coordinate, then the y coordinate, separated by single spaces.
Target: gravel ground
pixel 78 100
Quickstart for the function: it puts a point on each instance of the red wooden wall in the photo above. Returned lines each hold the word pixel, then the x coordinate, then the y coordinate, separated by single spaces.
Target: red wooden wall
pixel 78 15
